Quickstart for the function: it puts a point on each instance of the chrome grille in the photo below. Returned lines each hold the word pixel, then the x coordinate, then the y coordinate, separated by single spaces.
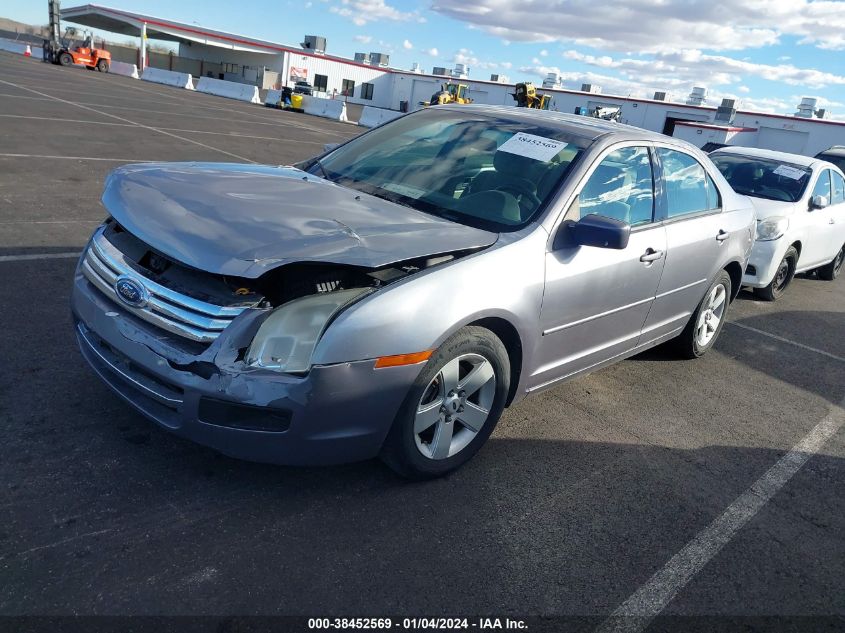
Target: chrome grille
pixel 172 311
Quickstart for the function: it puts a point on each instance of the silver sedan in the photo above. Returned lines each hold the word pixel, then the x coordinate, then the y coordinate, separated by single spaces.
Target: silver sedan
pixel 394 295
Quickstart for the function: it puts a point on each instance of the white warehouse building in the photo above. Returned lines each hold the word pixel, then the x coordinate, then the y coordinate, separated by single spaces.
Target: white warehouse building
pixel 209 52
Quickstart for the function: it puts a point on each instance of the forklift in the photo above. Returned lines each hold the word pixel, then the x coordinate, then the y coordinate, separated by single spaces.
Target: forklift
pixel 449 93
pixel 526 96
pixel 65 52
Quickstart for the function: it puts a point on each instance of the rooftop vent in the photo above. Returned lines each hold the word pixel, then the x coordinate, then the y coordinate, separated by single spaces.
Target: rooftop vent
pixel 415 68
pixel 660 96
pixel 379 59
pixel 461 71
pixel 552 80
pixel 726 112
pixel 439 70
pixel 590 88
pixel 499 79
pixel 314 43
pixel 362 58
pixel 698 96
pixel 807 107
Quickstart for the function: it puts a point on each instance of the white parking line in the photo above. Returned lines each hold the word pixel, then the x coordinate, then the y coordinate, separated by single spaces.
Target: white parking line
pixel 24 258
pixel 118 160
pixel 635 614
pixel 141 125
pixel 786 340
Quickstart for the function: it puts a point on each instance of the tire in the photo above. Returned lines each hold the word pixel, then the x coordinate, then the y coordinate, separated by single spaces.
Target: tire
pixel 66 59
pixel 103 66
pixel 831 271
pixel 414 447
pixel 783 277
pixel 707 321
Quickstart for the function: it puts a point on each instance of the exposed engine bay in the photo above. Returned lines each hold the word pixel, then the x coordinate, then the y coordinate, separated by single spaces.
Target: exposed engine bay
pixel 274 288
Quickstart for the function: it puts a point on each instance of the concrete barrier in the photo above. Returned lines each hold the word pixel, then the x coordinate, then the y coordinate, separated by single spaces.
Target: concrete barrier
pixel 373 117
pixel 334 109
pixel 229 89
pixel 124 69
pixel 273 97
pixel 14 47
pixel 168 78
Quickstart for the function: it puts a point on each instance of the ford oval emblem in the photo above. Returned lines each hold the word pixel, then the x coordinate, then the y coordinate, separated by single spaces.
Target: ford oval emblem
pixel 131 292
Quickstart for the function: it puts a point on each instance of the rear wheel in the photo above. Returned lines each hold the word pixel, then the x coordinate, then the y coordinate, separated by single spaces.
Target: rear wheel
pixel 783 277
pixel 66 59
pixel 831 271
pixel 707 321
pixel 103 66
pixel 452 407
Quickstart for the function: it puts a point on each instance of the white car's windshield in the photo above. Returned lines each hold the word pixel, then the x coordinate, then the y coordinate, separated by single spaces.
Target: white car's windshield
pixel 487 171
pixel 763 178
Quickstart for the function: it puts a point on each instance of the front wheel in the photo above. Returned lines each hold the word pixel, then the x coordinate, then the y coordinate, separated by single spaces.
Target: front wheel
pixel 65 59
pixel 783 277
pixel 707 321
pixel 452 407
pixel 103 66
pixel 831 271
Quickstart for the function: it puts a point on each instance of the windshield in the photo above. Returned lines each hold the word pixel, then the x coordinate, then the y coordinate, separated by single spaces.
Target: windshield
pixel 837 160
pixel 491 172
pixel 763 178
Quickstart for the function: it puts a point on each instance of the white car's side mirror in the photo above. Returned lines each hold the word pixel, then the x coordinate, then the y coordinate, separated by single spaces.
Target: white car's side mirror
pixel 819 202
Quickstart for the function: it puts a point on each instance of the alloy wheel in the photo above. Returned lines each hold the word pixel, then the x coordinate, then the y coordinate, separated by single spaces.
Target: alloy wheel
pixel 711 315
pixel 454 406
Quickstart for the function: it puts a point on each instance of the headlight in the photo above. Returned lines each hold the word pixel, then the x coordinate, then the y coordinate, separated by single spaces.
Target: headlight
pixel 771 228
pixel 287 338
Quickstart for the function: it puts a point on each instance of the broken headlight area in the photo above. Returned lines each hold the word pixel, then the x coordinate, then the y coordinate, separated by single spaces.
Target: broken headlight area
pixel 286 340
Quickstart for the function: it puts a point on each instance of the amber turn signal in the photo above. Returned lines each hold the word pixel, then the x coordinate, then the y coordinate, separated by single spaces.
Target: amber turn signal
pixel 403 359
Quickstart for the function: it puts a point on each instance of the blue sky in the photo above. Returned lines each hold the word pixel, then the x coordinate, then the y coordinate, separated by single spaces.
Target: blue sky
pixel 768 53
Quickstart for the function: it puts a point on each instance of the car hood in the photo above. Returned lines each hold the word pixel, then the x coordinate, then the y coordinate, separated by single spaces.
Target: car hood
pixel 772 208
pixel 243 220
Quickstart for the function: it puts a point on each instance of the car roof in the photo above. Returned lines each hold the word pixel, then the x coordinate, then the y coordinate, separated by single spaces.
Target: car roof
pixel 755 152
pixel 575 124
pixel 836 150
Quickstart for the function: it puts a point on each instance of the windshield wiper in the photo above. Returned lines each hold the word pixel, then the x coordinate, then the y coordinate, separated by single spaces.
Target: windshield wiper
pixel 319 164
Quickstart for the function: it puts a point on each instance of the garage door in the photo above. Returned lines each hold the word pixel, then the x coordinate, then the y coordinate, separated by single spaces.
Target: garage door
pixel 422 91
pixel 479 96
pixel 782 140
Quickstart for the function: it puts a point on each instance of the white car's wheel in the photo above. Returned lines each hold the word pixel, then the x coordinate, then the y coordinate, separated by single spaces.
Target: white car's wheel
pixel 831 271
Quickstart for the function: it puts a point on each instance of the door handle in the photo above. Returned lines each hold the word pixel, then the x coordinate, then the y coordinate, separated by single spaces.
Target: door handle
pixel 722 236
pixel 651 255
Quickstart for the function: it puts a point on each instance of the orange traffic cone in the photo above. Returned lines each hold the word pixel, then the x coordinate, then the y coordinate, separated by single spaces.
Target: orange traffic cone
pixel 27 52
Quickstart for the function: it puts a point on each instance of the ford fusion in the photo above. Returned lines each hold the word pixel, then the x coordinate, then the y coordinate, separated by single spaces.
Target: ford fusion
pixel 800 205
pixel 391 297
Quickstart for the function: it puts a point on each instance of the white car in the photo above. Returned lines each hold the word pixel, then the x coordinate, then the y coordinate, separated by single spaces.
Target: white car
pixel 800 204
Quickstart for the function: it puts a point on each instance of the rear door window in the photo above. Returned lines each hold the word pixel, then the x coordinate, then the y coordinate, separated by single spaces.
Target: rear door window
pixel 685 182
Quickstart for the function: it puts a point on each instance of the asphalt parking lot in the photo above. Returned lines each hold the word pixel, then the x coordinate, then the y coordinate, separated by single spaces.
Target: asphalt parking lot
pixel 583 500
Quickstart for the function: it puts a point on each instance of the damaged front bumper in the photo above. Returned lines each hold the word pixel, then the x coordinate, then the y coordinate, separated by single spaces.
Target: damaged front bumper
pixel 334 414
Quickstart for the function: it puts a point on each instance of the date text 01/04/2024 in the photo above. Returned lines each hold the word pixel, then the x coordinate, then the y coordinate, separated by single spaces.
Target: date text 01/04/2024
pixel 416 624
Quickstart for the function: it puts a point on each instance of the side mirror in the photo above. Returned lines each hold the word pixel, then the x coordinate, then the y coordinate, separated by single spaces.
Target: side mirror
pixel 599 231
pixel 819 202
pixel 330 146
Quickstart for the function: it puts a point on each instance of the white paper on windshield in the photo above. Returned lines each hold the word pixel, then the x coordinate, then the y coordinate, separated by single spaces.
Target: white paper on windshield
pixel 536 147
pixel 404 190
pixel 789 172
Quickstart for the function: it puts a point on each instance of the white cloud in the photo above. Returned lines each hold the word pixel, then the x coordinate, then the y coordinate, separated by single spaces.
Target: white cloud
pixel 363 11
pixel 364 39
pixel 407 45
pixel 433 52
pixel 694 66
pixel 744 89
pixel 657 25
pixel 544 53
